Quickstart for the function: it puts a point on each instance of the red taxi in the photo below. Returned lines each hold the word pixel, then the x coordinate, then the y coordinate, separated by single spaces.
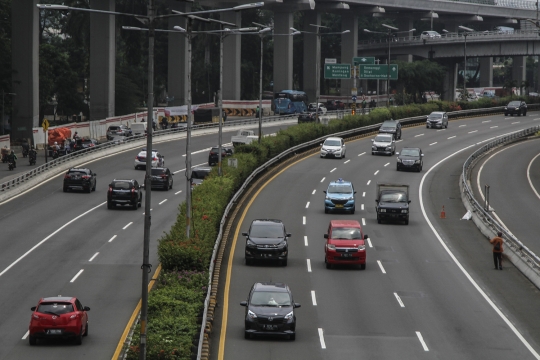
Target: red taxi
pixel 345 244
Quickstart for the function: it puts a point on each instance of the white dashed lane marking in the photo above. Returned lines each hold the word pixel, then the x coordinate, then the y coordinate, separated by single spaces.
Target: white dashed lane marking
pixel 422 341
pixel 76 276
pixel 334 169
pixel 114 237
pixel 346 161
pixel 162 202
pixel 313 193
pixel 462 125
pixel 386 164
pixel 399 300
pixel 308 265
pixel 307 205
pixel 93 257
pixel 125 227
pixel 451 137
pixel 433 143
pixel 418 135
pixel 303 220
pixel 323 179
pixel 369 181
pixel 382 267
pixel 470 132
pixel 515 122
pixel 321 338
pixel 178 192
pixel 486 121
pixel 313 299
pixel 361 154
pixel 369 242
pixel 376 172
pixel 305 241
pixel 364 194
pixel 493 127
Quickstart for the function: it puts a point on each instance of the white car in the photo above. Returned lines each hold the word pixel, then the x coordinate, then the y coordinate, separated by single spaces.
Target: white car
pixel 430 35
pixel 333 147
pixel 322 108
pixel 158 160
pixel 383 144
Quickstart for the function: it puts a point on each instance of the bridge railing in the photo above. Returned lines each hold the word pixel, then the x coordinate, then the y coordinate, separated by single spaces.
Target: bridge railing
pixel 515 4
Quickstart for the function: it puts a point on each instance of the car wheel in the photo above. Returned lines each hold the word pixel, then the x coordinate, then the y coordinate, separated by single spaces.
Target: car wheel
pixel 284 262
pixel 427 127
pixel 378 220
pixel 89 190
pixel 86 330
pixel 519 113
pixel 372 153
pixel 32 340
pixel 94 188
pixel 326 211
pixel 352 211
pixel 65 189
pixel 397 167
pixel 525 113
pixel 166 187
pixel 420 168
pixel 247 335
pixel 406 222
pixel 505 114
pixel 362 266
pixel 328 266
pixel 135 206
pixel 78 338
pixel 171 184
pixel 136 167
pixel 248 262
pixel 292 337
pixel 109 205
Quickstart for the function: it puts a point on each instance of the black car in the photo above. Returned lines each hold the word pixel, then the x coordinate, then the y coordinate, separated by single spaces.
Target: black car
pixel 515 108
pixel 410 159
pixel 213 155
pixel 124 192
pixel 161 178
pixel 307 117
pixel 80 179
pixel 266 240
pixel 270 311
pixel 391 127
pixel 335 105
pixel 198 174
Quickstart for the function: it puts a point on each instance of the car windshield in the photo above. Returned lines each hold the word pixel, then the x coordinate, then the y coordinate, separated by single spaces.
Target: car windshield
pixel 113 128
pixel 410 152
pixel 158 171
pixel 383 138
pixel 57 308
pixel 393 196
pixel 340 189
pixel 346 234
pixel 435 116
pixel 514 103
pixel 332 143
pixel 266 230
pixel 122 185
pixel 389 125
pixel 270 298
pixel 200 174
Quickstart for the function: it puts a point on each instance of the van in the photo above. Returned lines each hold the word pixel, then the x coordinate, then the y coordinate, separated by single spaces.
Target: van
pixel 138 128
pixel 345 244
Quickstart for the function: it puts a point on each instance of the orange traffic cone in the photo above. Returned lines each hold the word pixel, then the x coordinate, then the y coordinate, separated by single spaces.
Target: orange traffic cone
pixel 443 214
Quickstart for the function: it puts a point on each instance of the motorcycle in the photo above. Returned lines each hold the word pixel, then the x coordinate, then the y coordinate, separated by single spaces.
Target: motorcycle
pixel 32 159
pixel 11 165
pixel 24 152
pixel 55 154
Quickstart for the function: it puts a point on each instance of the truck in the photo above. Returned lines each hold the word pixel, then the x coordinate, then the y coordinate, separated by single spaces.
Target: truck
pixel 392 202
pixel 244 137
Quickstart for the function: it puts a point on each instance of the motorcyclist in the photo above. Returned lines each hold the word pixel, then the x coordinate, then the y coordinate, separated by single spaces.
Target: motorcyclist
pixel 32 153
pixel 55 148
pixel 76 136
pixel 12 158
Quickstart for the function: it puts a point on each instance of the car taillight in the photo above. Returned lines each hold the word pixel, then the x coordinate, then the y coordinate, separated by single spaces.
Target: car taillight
pixel 86 177
pixel 132 192
pixel 110 189
pixel 67 176
pixel 155 159
pixel 163 176
pixel 35 316
pixel 212 153
pixel 74 316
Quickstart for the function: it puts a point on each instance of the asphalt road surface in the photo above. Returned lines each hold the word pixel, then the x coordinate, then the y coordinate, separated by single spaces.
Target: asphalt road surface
pixel 429 290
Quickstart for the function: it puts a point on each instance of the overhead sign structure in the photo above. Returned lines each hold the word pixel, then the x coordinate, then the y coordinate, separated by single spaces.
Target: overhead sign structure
pixel 378 72
pixel 330 61
pixel 363 60
pixel 337 71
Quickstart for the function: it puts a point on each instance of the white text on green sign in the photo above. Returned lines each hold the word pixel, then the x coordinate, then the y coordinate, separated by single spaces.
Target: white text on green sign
pixel 378 72
pixel 337 71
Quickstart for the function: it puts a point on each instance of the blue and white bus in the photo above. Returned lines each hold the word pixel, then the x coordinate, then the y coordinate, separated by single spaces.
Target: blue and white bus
pixel 290 102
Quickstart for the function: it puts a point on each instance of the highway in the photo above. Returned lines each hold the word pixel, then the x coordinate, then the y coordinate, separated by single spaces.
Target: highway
pixel 55 243
pixel 429 290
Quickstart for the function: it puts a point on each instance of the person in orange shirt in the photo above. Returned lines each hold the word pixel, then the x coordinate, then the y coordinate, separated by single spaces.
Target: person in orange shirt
pixel 497 242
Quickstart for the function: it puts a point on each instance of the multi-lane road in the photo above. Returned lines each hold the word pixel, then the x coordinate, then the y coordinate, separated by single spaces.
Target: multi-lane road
pixel 429 290
pixel 55 243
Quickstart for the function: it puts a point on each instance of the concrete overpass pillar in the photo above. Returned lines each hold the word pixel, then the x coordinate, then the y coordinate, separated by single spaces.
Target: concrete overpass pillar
pixel 519 67
pixel 178 52
pixel 232 46
pixel 537 87
pixel 349 48
pixel 283 52
pixel 450 80
pixel 310 54
pixel 404 24
pixel 102 60
pixel 486 71
pixel 25 65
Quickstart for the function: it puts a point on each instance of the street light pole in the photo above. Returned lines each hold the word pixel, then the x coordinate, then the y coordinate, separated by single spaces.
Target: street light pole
pixel 465 34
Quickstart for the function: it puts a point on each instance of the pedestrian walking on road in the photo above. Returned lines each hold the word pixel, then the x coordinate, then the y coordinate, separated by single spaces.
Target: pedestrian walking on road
pixel 497 242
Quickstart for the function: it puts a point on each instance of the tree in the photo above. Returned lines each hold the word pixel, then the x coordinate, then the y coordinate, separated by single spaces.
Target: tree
pixel 419 76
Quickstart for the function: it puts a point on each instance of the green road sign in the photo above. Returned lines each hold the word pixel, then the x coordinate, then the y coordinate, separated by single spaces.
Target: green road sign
pixel 363 60
pixel 378 72
pixel 337 71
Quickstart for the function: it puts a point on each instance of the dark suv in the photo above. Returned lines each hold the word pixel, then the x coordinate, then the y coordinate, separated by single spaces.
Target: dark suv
pixel 80 179
pixel 515 107
pixel 391 127
pixel 161 178
pixel 124 192
pixel 410 159
pixel 270 311
pixel 266 240
pixel 213 156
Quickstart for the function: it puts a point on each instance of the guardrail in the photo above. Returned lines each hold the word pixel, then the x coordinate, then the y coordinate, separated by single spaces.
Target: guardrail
pixel 291 151
pixel 482 213
pixel 515 4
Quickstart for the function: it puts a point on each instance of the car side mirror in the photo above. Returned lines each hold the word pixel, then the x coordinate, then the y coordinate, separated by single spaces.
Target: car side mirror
pixel 320 144
pixel 377 201
pixel 86 308
pixel 243 303
pixel 397 153
pixel 408 202
pixel 172 174
pixel 325 236
pixel 422 155
pixel 244 234
pixel 289 234
pixel 372 140
pixel 365 237
pixel 297 305
pixel 355 192
pixel 33 308
pixel 324 191
pixel 95 174
pixel 393 141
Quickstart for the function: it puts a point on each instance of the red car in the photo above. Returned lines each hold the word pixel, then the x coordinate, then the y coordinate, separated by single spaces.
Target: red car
pixel 345 244
pixel 58 317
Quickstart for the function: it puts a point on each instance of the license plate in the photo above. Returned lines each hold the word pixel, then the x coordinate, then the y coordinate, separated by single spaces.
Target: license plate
pixel 270 327
pixel 339 206
pixel 54 332
pixel 346 255
pixel 267 255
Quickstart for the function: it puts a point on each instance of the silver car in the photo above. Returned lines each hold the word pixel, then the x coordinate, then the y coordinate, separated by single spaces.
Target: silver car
pixel 437 119
pixel 383 144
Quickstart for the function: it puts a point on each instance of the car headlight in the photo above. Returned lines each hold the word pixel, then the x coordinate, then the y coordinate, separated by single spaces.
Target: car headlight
pixel 404 211
pixel 505 108
pixel 251 314
pixel 361 247
pixel 250 243
pixel 282 244
pixel 331 247
pixel 398 160
pixel 289 316
pixel 388 148
pixel 383 210
pixel 374 147
pixel 351 198
pixel 417 161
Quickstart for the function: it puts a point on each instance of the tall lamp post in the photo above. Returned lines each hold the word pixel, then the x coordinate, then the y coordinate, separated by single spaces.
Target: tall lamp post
pixel 3 111
pixel 389 34
pixel 317 60
pixel 465 34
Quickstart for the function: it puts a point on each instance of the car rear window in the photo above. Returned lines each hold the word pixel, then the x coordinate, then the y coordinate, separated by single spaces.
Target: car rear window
pixel 270 298
pixel 122 185
pixel 215 149
pixel 200 174
pixel 55 308
pixel 78 171
pixel 158 171
pixel 266 231
pixel 113 127
pixel 346 234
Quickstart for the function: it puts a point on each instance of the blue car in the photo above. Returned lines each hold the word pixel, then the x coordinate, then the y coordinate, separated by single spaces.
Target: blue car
pixel 340 197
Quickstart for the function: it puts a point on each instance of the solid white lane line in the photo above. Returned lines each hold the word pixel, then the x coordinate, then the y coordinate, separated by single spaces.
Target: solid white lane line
pixel 114 237
pixel 307 205
pixel 125 227
pixel 529 176
pixel 399 300
pixel 313 299
pixel 334 169
pixel 361 153
pixel 515 122
pixel 418 135
pixel 198 152
pixel 400 140
pixel 369 242
pixel 162 202
pixel 93 257
pixel 192 166
pixel 26 335
pixel 451 137
pixel 485 121
pixel 493 127
pixel 362 207
pixel 178 192
pixel 537 119
pixel 303 220
pixel 48 237
pixel 363 222
pixel 441 130
pixel 305 241
pixel 76 276
pixel 323 179
pixel 321 337
pixel 313 193
pixel 380 265
pixel 462 125
pixel 369 181
pixel 308 265
pixel 364 194
pixel 346 161
pixel 376 172
pixel 470 132
pixel 386 164
pixel 177 171
pixel 433 143
pixel 422 341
